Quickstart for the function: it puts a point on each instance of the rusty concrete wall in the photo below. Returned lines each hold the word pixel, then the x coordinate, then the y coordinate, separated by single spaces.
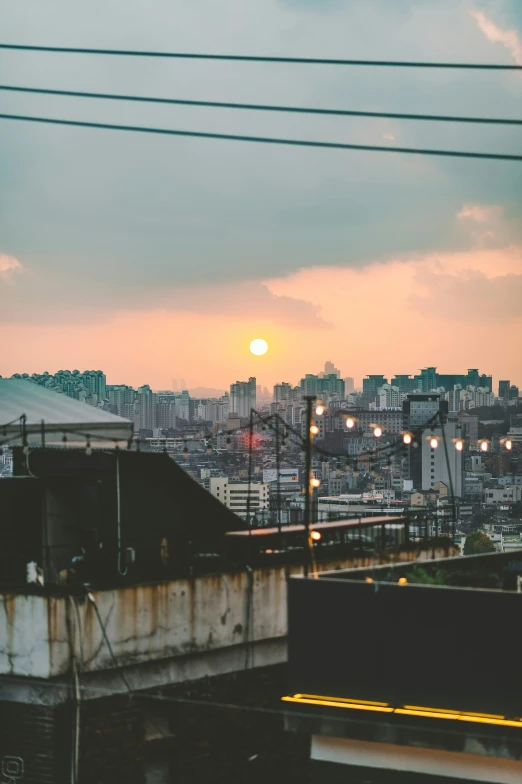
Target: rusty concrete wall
pixel 153 622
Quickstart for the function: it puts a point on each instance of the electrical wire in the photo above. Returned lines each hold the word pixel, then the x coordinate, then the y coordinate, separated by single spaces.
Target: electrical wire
pixel 264 58
pixel 265 139
pixel 262 107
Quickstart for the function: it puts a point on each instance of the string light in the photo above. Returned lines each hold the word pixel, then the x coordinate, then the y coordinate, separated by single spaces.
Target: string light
pixel 315 536
pixel 315 482
pixel 407 438
pixel 377 432
pixel 484 446
pixel 508 444
pixel 350 423
pixel 314 430
pixel 434 443
pixel 459 446
pixel 319 410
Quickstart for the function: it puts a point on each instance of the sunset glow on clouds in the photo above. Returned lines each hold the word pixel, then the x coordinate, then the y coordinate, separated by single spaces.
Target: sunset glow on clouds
pixel 390 317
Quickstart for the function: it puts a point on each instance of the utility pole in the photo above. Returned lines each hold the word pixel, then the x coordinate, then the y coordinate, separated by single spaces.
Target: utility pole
pixel 310 400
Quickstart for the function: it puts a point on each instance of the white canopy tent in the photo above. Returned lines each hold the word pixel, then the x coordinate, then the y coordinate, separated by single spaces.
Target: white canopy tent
pixel 33 415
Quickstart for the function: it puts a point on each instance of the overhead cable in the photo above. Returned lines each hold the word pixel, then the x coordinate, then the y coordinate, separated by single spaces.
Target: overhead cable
pixel 263 107
pixel 264 58
pixel 266 139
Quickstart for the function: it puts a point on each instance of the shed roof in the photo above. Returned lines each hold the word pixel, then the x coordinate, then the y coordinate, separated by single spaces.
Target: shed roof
pixel 55 415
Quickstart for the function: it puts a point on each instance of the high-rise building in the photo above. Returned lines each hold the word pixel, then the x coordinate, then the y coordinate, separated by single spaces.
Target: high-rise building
pixel 121 398
pixel 331 370
pixel 316 386
pixel 404 382
pixel 388 396
pixel 436 466
pixel 417 410
pixel 428 378
pixel 243 397
pixel 503 390
pixel 370 386
pixel 146 404
pixel 349 385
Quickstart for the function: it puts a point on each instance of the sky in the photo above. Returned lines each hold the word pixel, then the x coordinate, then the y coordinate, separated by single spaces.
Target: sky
pixel 157 258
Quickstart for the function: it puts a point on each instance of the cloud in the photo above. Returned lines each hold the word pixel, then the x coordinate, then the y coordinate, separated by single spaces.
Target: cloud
pixel 508 38
pixel 481 213
pixel 9 266
pixel 40 300
pixel 469 295
pixel 485 224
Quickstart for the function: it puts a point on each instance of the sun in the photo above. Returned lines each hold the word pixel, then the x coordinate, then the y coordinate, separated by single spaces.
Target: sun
pixel 259 346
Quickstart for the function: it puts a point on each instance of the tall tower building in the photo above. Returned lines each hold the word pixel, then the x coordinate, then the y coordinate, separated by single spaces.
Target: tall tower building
pixel 503 390
pixel 435 466
pixel 331 370
pixel 243 397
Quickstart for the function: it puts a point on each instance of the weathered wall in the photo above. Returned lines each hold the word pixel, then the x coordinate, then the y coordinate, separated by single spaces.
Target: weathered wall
pixel 152 623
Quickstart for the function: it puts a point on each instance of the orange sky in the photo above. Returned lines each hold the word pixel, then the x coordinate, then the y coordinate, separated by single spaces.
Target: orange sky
pixel 453 310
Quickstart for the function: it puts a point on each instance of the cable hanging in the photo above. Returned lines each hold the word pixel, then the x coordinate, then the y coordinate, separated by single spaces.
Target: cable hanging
pixel 264 58
pixel 266 139
pixel 261 107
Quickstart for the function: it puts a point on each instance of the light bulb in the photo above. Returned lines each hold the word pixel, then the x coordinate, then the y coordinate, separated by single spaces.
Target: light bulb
pixel 350 423
pixel 319 410
pixel 315 536
pixel 484 446
pixel 377 432
pixel 406 438
pixel 315 482
pixel 434 443
pixel 314 430
pixel 508 445
pixel 459 446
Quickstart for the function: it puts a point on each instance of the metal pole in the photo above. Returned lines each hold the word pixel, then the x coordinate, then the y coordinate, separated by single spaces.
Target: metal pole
pixel 450 478
pixel 278 470
pixel 250 439
pixel 310 400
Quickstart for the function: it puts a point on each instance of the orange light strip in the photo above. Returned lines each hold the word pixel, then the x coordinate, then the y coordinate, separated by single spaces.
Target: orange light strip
pixel 407 710
pixel 337 704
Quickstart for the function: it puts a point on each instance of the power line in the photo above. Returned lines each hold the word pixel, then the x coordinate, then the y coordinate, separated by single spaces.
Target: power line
pixel 267 139
pixel 264 58
pixel 263 107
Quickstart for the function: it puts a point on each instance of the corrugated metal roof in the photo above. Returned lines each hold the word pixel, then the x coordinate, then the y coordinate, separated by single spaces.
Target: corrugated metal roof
pixel 58 412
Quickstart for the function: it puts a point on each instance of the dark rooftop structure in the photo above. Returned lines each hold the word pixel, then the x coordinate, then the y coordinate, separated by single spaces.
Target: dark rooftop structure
pixel 423 656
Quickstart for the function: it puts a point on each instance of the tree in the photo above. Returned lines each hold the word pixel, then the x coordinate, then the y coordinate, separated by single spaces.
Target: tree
pixel 478 542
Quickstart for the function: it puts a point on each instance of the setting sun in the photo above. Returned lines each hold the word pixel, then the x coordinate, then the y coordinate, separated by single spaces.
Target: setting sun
pixel 259 346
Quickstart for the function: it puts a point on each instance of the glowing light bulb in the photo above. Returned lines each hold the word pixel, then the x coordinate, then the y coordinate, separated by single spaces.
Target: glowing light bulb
pixel 350 423
pixel 377 432
pixel 319 410
pixel 315 482
pixel 402 580
pixel 459 446
pixel 315 536
pixel 314 430
pixel 434 443
pixel 508 445
pixel 484 446
pixel 406 438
